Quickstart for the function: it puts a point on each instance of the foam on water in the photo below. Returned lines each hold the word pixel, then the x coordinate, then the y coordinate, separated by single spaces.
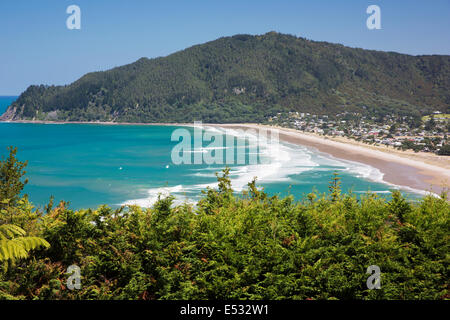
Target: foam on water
pixel 280 162
pixel 97 164
pixel 368 172
pixel 154 193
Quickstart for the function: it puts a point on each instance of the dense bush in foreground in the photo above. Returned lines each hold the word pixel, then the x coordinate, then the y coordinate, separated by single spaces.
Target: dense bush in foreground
pixel 247 246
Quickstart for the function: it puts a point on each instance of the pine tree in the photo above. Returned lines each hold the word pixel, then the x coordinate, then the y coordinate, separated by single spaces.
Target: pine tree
pixel 11 173
pixel 335 187
pixel 14 244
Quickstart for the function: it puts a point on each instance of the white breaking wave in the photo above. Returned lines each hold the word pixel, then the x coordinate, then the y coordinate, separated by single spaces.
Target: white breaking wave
pixel 282 161
pixel 365 171
pixel 153 195
pixel 370 173
pixel 372 191
pixel 279 161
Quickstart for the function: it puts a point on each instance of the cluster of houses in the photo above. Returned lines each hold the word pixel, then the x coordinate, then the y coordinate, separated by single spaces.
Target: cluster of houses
pixel 391 130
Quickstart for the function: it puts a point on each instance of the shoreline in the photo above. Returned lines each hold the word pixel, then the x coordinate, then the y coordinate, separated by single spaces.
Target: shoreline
pixel 106 123
pixel 420 171
pixel 400 170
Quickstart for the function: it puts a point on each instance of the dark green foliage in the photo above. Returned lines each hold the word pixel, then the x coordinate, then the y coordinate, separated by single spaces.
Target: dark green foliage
pixel 430 124
pixel 11 173
pixel 398 206
pixel 335 187
pixel 244 79
pixel 248 246
pixel 15 214
pixel 445 150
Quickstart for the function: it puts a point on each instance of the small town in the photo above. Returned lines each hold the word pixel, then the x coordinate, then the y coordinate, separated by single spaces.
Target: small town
pixel 427 134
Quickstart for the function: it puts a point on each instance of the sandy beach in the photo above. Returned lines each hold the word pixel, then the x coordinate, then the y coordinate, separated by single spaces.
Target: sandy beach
pixel 422 171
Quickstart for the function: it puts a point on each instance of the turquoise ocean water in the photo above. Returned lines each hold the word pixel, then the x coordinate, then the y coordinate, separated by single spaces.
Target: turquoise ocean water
pixel 89 165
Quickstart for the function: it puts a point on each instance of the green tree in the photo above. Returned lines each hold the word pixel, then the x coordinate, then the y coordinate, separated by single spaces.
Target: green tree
pixel 14 242
pixel 245 246
pixel 399 206
pixel 11 173
pixel 430 124
pixel 445 150
pixel 335 187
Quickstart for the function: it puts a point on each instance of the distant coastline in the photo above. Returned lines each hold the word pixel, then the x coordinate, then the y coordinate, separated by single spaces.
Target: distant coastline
pixel 426 172
pixel 95 122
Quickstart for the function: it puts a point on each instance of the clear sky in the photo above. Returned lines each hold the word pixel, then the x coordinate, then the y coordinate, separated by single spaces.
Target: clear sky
pixel 37 48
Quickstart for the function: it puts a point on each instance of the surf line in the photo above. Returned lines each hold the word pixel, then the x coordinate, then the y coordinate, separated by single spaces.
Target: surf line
pixel 184 151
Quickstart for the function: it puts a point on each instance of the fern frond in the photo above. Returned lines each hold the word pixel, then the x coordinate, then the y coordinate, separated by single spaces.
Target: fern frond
pixel 9 231
pixel 11 250
pixel 18 248
pixel 30 243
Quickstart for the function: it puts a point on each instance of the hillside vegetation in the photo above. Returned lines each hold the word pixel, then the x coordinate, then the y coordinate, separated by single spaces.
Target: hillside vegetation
pixel 246 246
pixel 247 78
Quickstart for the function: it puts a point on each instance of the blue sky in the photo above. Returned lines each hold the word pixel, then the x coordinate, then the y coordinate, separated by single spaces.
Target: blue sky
pixel 37 48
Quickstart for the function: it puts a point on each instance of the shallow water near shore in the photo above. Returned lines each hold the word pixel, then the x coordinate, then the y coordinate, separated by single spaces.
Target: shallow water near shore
pixel 89 165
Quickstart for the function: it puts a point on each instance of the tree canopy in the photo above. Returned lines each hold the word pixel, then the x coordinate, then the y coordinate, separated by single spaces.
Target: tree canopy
pixel 245 78
pixel 239 246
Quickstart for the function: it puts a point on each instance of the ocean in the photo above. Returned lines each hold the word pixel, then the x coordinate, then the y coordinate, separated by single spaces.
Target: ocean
pixel 91 164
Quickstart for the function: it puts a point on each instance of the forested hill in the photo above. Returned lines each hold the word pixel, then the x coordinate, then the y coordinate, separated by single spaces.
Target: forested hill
pixel 246 78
